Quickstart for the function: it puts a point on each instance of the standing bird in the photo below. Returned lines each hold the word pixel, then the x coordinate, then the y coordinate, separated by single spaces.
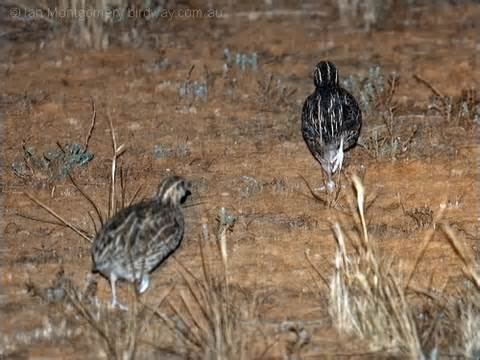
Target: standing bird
pixel 331 120
pixel 140 237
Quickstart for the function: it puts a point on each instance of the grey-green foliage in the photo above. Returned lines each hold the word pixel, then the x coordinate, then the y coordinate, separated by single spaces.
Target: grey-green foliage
pixel 469 113
pixel 57 162
pixel 244 61
pixel 225 219
pixel 163 151
pixel 69 157
pixel 366 88
pixel 194 90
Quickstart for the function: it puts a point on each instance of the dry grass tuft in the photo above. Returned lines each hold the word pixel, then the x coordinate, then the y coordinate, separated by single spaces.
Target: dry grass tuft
pixel 366 295
pixel 213 319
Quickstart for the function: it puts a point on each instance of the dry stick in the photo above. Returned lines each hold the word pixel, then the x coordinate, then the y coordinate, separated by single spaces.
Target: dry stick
pixel 117 151
pixel 191 336
pixel 132 328
pixel 430 86
pixel 316 270
pixel 315 196
pixel 135 195
pixel 90 318
pixel 92 126
pixel 174 330
pixel 58 217
pixel 361 206
pixel 155 309
pixel 200 296
pixel 203 333
pixel 423 247
pixel 93 222
pixel 123 185
pixel 460 250
pixel 25 216
pixel 188 271
pixel 89 199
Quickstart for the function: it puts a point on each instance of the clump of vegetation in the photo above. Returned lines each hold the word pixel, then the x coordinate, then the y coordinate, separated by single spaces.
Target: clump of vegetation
pixel 272 91
pixel 53 164
pixel 367 89
pixel 217 320
pixel 366 296
pixel 192 90
pixel 423 216
pixel 244 61
pixel 163 152
pixel 459 110
pixel 251 186
pixel 369 298
pixel 386 136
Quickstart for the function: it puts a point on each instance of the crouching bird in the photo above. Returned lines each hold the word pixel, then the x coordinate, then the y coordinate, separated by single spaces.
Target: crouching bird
pixel 331 120
pixel 136 240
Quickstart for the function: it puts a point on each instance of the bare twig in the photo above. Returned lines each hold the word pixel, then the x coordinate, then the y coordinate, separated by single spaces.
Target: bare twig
pixel 74 228
pixel 117 151
pixel 92 126
pixel 423 247
pixel 139 188
pixel 318 272
pixel 28 217
pixel 93 222
pixel 89 199
pixel 468 260
pixel 428 84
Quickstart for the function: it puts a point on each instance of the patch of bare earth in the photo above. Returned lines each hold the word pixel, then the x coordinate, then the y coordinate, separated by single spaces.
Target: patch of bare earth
pixel 243 150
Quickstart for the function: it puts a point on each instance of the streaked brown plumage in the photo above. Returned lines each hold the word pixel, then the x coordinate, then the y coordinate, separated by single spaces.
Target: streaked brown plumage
pixel 135 241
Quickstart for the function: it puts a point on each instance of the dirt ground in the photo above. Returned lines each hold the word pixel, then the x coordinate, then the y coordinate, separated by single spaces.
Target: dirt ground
pixel 243 150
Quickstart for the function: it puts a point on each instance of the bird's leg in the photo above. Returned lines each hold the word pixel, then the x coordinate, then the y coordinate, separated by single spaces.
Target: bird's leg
pixel 144 283
pixel 338 159
pixel 115 303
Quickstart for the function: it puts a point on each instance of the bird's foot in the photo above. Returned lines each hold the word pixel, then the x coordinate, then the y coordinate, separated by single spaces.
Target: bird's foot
pixel 117 305
pixel 330 185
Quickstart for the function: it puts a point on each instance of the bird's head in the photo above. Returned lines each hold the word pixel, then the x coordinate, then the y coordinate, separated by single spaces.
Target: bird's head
pixel 325 74
pixel 173 190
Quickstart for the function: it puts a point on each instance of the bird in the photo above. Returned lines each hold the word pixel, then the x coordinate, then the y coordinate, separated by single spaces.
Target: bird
pixel 331 120
pixel 138 238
